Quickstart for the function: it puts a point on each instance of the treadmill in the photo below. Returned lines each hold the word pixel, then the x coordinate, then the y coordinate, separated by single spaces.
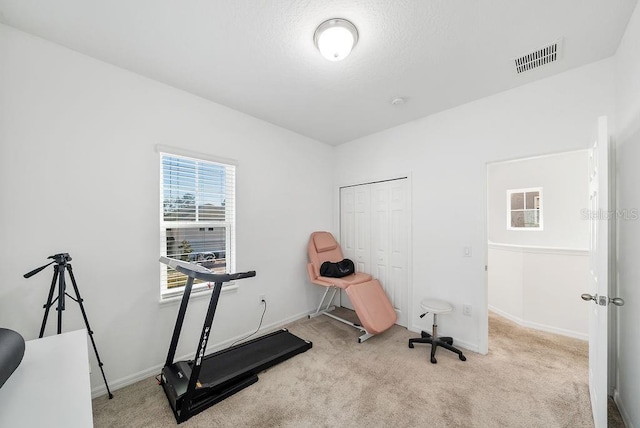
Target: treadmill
pixel 194 385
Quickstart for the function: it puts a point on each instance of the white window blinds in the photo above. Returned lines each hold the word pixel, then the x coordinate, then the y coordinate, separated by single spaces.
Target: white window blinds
pixel 197 215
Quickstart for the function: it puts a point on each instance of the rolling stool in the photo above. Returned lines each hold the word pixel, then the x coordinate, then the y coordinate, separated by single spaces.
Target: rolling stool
pixel 436 307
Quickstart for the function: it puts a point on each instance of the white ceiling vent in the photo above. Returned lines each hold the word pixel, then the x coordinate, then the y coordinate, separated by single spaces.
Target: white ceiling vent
pixel 538 58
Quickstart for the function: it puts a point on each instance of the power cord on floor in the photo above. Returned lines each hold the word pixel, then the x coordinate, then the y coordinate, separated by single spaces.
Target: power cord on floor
pixel 257 329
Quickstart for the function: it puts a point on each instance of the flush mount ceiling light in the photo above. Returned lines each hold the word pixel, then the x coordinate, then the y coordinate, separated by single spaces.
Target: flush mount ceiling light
pixel 335 38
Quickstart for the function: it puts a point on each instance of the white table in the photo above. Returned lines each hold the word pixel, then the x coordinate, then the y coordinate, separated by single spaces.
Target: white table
pixel 50 387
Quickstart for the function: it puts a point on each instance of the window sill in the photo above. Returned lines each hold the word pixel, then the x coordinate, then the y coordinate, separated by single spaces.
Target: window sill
pixel 196 293
pixel 526 229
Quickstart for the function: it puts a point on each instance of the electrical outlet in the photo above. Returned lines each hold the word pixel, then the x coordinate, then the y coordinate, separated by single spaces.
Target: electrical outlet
pixel 466 310
pixel 263 298
pixel 466 251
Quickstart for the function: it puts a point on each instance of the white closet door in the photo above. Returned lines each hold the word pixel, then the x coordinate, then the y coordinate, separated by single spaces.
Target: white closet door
pixel 374 234
pixel 389 239
pixel 355 207
pixel 362 228
pixel 380 213
pixel 347 222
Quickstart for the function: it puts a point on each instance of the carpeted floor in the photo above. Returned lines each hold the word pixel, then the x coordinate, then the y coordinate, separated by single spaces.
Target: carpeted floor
pixel 528 379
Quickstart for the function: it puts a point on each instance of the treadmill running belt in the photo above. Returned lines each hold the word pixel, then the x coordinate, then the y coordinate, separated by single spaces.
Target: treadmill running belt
pixel 250 357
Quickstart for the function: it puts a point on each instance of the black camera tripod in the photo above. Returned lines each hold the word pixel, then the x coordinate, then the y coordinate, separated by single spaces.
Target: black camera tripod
pixel 62 262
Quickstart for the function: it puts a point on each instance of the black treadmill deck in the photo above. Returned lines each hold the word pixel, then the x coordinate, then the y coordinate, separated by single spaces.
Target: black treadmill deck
pixel 228 371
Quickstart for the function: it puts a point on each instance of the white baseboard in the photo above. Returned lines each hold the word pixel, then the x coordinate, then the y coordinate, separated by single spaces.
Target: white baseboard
pixel 541 327
pixel 155 370
pixel 507 315
pixel 621 408
pixel 125 381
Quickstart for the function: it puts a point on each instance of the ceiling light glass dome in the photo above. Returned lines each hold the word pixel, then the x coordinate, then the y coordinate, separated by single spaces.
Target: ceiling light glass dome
pixel 335 38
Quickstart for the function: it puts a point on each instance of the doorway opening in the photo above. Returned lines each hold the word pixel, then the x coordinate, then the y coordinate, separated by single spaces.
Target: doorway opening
pixel 538 241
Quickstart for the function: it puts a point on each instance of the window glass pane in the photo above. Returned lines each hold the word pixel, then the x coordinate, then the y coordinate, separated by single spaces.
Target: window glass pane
pixel 178 188
pixel 205 246
pixel 517 218
pixel 212 185
pixel 532 199
pixel 517 201
pixel 193 190
pixel 531 218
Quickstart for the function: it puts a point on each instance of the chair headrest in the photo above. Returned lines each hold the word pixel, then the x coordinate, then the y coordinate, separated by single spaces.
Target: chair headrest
pixel 324 241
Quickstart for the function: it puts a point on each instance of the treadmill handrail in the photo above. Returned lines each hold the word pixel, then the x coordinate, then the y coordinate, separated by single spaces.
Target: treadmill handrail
pixel 202 273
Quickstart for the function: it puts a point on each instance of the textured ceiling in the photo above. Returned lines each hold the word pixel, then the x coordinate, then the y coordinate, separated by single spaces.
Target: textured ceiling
pixel 258 57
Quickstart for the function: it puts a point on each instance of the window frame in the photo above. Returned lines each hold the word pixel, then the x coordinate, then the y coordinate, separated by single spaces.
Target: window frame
pixel 174 293
pixel 540 210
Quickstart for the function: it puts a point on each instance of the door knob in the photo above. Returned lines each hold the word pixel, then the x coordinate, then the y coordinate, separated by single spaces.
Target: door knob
pixel 598 300
pixel 616 301
pixel 587 297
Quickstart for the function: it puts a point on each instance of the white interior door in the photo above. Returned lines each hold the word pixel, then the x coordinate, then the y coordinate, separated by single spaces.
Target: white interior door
pixel 347 222
pixel 362 228
pixel 374 234
pixel 389 242
pixel 354 230
pixel 599 284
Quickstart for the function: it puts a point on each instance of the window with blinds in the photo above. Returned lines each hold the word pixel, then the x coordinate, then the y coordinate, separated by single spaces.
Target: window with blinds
pixel 197 217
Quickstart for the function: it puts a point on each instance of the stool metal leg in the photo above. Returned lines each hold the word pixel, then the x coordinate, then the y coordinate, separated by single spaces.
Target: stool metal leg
pixel 434 339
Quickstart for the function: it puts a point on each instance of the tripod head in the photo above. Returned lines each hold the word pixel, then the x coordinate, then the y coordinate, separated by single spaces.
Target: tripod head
pixel 60 259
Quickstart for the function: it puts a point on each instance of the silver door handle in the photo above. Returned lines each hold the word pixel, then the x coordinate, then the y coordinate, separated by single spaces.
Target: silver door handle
pixel 616 301
pixel 587 297
pixel 598 300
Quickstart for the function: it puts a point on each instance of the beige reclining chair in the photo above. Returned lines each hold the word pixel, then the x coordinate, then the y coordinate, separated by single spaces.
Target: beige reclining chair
pixel 367 296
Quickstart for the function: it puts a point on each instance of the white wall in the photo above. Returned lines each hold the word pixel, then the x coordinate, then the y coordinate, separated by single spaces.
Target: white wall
pixel 447 155
pixel 565 193
pixel 539 287
pixel 627 140
pixel 527 267
pixel 79 173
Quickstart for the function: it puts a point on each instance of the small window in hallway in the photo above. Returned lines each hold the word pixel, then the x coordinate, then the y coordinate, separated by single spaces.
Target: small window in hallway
pixel 524 209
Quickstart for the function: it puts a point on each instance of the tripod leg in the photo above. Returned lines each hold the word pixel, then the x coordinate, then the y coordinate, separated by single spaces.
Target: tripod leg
pixel 61 290
pixel 48 304
pixel 86 322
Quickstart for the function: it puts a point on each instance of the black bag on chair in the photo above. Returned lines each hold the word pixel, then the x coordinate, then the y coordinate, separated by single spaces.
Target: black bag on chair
pixel 337 269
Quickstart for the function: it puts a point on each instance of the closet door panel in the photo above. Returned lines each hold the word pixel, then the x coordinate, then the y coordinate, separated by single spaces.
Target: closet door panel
pixel 362 228
pixel 374 234
pixel 398 248
pixel 347 222
pixel 380 233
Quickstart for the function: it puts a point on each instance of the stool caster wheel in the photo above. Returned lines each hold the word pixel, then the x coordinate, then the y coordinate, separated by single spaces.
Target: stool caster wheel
pixel 462 357
pixel 410 345
pixel 433 360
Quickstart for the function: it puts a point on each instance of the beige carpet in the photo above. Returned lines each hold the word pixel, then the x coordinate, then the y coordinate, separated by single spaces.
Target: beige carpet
pixel 528 379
